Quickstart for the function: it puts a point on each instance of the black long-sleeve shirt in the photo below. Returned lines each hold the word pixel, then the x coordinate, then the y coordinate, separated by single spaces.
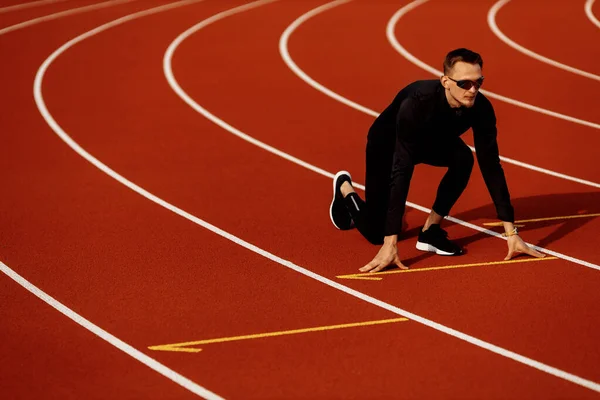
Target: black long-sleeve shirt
pixel 420 116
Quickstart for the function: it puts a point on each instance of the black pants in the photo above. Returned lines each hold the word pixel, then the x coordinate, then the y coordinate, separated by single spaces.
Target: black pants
pixel 370 215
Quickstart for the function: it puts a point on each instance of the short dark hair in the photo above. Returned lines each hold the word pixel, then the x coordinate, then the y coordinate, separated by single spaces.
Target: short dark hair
pixel 462 54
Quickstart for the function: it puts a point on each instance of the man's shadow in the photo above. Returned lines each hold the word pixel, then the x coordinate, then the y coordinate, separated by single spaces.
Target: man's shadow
pixel 533 207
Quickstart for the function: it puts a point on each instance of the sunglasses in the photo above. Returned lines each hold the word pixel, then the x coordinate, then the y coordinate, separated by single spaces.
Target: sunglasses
pixel 467 84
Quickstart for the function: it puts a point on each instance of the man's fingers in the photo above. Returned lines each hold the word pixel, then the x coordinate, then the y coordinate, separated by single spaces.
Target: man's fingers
pixel 368 267
pixel 533 252
pixel 400 265
pixel 379 268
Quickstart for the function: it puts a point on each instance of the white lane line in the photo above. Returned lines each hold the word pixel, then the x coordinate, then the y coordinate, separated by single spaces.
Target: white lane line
pixel 181 93
pixel 60 14
pixel 30 4
pixel 590 13
pixel 37 92
pixel 391 27
pixel 104 335
pixel 83 153
pixel 283 50
pixel 283 40
pixel 491 18
pixel 168 70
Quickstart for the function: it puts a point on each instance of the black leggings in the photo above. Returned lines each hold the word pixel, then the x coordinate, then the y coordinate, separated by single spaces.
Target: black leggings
pixel 370 215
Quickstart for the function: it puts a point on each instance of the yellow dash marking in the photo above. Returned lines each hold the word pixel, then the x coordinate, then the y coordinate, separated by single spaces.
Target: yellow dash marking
pixel 364 278
pixel 500 224
pixel 545 219
pixel 184 347
pixel 400 271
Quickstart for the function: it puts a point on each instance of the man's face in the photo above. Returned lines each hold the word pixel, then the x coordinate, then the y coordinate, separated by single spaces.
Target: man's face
pixel 462 71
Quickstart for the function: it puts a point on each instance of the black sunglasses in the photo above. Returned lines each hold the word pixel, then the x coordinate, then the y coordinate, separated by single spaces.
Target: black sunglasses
pixel 467 84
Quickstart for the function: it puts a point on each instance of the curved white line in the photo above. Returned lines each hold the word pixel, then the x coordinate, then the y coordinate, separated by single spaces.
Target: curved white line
pixel 181 93
pixel 391 27
pixel 283 50
pixel 83 153
pixel 491 18
pixel 283 40
pixel 590 13
pixel 23 6
pixel 167 66
pixel 39 100
pixel 60 14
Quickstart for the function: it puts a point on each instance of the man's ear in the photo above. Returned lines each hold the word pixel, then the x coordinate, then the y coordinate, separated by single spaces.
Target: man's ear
pixel 444 81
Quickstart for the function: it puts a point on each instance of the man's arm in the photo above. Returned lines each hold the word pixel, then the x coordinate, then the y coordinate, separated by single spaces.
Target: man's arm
pixel 407 124
pixel 488 157
pixel 401 174
pixel 387 255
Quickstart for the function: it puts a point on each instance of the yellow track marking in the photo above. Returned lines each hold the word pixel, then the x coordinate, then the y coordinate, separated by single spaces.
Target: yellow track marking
pixel 545 219
pixel 370 276
pixel 184 347
pixel 361 277
pixel 517 224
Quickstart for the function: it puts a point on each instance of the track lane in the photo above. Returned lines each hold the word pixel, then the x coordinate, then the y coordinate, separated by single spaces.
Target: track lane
pixel 61 14
pixel 503 64
pixel 25 161
pixel 39 345
pixel 115 257
pixel 273 108
pixel 342 138
pixel 8 6
pixel 228 369
pixel 376 81
pixel 560 32
pixel 238 170
pixel 25 14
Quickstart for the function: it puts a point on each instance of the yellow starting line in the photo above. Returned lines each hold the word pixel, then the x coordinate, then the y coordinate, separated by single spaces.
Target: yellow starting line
pixel 375 276
pixel 544 219
pixel 185 346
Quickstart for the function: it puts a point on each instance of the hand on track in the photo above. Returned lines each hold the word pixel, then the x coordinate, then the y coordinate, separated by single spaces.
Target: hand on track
pixel 517 246
pixel 387 255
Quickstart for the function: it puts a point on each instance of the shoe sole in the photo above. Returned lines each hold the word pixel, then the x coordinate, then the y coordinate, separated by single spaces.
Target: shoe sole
pixel 432 249
pixel 335 178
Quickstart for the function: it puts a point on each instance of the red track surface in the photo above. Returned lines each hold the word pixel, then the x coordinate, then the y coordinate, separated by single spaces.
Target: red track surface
pixel 151 277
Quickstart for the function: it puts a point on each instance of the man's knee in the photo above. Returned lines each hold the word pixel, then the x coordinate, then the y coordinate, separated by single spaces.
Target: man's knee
pixel 463 159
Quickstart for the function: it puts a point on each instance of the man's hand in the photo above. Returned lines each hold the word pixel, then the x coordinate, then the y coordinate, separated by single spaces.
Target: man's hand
pixel 516 246
pixel 387 255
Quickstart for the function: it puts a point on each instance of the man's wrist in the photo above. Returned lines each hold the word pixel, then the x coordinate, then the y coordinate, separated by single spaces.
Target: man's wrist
pixel 509 229
pixel 391 239
pixel 509 233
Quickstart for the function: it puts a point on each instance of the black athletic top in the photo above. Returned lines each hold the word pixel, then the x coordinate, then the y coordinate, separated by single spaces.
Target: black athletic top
pixel 420 117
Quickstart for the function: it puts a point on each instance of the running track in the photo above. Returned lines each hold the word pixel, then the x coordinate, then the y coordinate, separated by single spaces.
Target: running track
pixel 130 198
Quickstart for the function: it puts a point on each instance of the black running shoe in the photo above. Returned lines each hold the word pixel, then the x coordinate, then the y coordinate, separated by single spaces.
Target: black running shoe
pixel 339 214
pixel 435 240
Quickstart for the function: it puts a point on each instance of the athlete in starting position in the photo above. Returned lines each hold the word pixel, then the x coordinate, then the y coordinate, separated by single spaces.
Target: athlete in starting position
pixel 423 125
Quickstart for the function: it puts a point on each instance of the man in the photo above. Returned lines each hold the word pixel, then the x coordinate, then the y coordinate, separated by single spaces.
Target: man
pixel 423 124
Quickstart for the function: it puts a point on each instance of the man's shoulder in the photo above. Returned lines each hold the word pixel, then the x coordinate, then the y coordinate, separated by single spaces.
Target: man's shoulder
pixel 483 100
pixel 418 93
pixel 483 106
pixel 423 88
